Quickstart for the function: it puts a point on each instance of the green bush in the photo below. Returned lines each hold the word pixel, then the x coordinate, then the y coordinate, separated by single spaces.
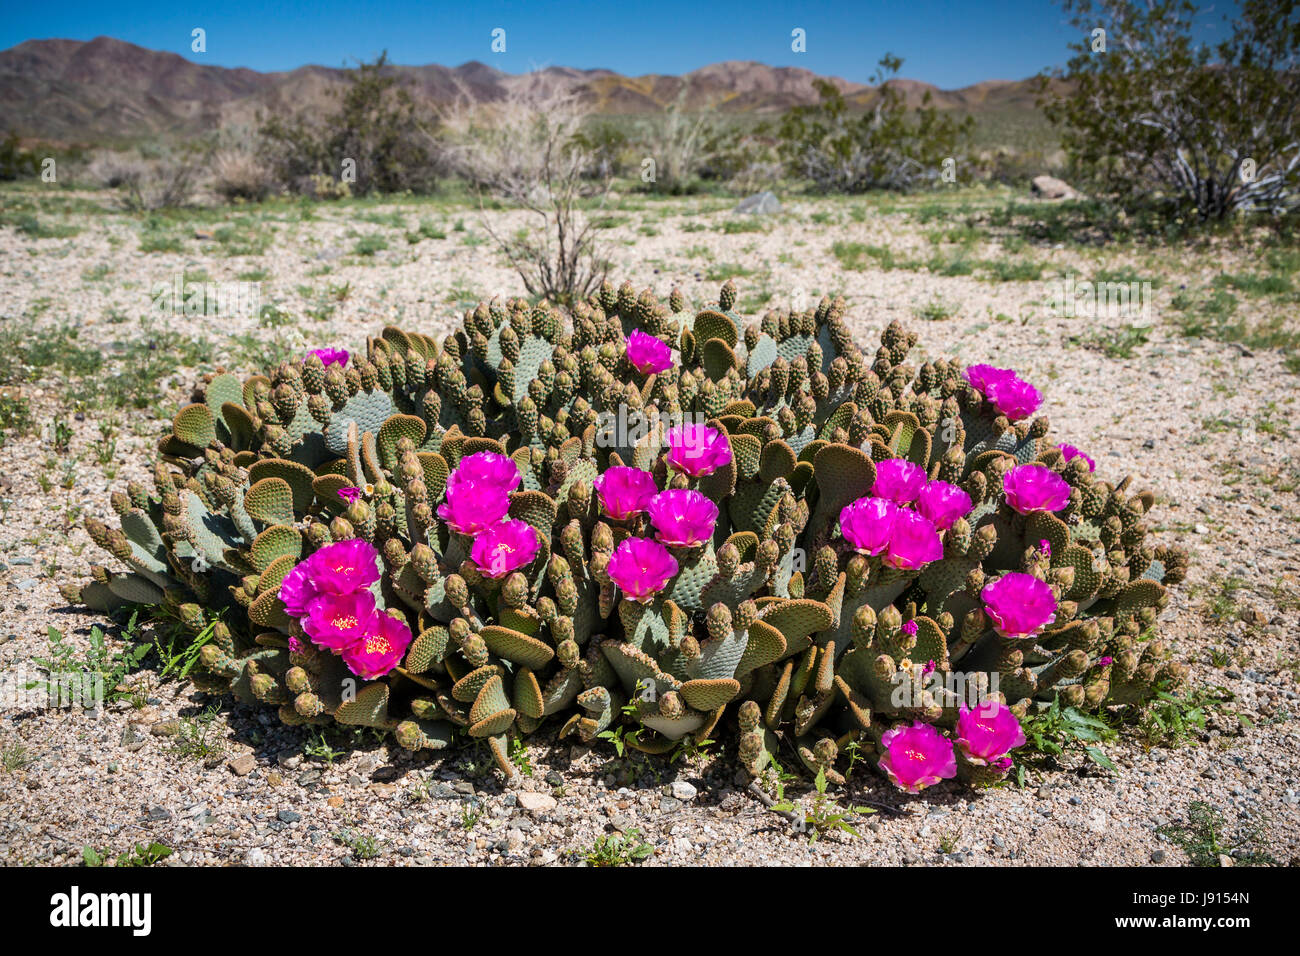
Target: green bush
pixel 1156 120
pixel 886 147
pixel 377 126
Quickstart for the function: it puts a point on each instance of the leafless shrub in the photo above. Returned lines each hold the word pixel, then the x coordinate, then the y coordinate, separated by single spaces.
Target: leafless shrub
pixel 527 150
pixel 237 169
pixel 675 142
pixel 111 170
pixel 162 181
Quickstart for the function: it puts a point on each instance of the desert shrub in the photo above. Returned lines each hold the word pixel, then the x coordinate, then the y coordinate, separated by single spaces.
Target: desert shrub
pixel 163 179
pixel 239 172
pixel 109 169
pixel 743 158
pixel 674 141
pixel 608 146
pixel 15 162
pixel 377 126
pixel 885 147
pixel 529 150
pixel 1157 119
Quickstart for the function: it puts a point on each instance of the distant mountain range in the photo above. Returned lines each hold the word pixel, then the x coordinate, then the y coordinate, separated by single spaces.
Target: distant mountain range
pixel 105 90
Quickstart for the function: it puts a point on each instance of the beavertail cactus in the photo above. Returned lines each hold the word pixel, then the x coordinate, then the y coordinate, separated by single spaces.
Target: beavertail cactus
pixel 644 514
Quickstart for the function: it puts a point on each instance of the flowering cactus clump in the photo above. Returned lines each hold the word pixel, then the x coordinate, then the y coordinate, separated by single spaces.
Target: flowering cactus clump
pixel 641 513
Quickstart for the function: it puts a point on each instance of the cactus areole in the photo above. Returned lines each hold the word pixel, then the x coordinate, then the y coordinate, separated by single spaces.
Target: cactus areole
pixel 547 516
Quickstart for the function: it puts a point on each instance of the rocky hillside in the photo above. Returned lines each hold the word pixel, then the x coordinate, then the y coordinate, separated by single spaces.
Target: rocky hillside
pixel 106 89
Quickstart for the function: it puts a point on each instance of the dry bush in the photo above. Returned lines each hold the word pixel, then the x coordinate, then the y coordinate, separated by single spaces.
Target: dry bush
pixel 111 170
pixel 162 181
pixel 528 150
pixel 675 141
pixel 239 173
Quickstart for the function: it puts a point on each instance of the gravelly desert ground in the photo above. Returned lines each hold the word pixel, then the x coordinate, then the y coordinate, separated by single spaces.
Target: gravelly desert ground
pixel 1209 425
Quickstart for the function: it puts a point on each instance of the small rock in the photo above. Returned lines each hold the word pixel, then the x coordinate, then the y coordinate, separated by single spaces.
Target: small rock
pixel 1225 860
pixel 288 816
pixel 683 791
pixel 335 802
pixel 1049 187
pixel 1202 529
pixel 535 802
pixel 1158 856
pixel 242 765
pixel 760 204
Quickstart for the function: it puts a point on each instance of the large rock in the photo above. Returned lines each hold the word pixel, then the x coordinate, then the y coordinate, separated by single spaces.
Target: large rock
pixel 760 204
pixel 1049 187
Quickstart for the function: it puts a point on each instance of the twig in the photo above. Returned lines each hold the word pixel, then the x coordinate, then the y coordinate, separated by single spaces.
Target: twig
pixel 768 802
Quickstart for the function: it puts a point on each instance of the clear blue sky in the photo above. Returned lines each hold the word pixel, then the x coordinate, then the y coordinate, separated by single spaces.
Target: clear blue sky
pixel 950 44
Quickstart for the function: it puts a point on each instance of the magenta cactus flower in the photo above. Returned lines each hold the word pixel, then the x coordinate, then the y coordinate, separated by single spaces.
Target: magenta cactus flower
pixel 1030 488
pixel 380 650
pixel 930 666
pixel 913 542
pixel 910 627
pixel 988 733
pixel 1045 547
pixel 506 546
pixel 335 621
pixel 984 376
pixel 1014 397
pixel 917 757
pixel 943 503
pixel 472 508
pixel 332 356
pixel 641 567
pixel 485 470
pixel 349 494
pixel 625 492
pixel 338 568
pixel 1019 605
pixel 898 480
pixel 868 523
pixel 297 590
pixel 1105 661
pixel 649 355
pixel 1069 453
pixel 697 450
pixel 682 517
pixel 344 566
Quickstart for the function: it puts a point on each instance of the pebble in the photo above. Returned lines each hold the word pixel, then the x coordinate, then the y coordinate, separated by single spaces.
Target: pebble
pixel 681 790
pixel 242 765
pixel 535 802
